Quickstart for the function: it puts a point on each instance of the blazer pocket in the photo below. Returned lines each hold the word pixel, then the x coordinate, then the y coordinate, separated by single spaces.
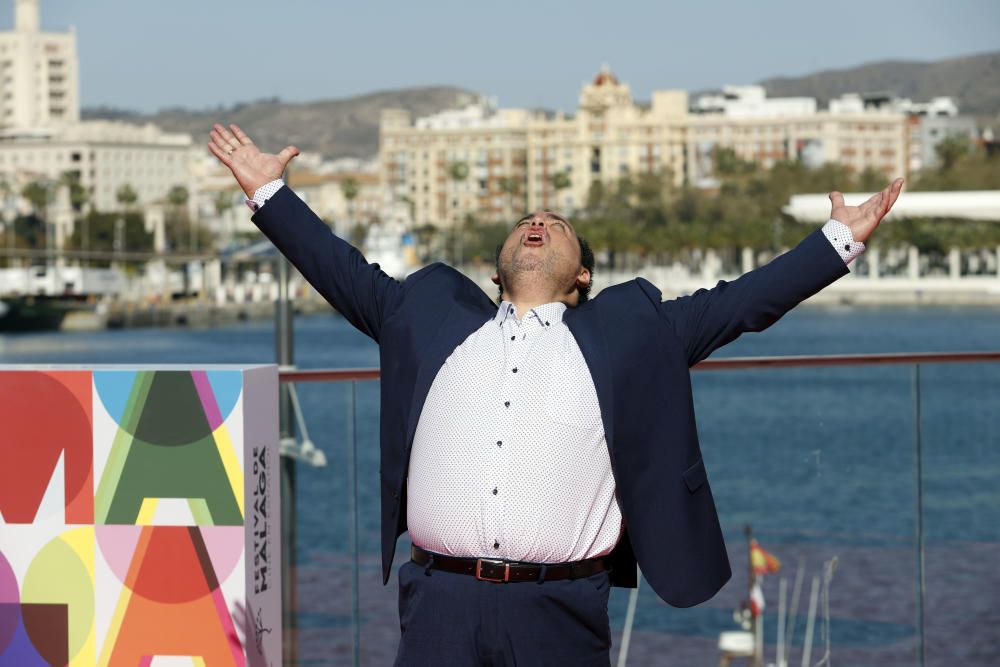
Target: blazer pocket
pixel 695 475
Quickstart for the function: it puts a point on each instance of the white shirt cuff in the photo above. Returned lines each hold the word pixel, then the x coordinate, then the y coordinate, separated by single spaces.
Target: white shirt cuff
pixel 839 234
pixel 263 193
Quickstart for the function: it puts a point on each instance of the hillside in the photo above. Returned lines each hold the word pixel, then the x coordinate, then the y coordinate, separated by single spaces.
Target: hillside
pixel 973 81
pixel 335 128
pixel 349 127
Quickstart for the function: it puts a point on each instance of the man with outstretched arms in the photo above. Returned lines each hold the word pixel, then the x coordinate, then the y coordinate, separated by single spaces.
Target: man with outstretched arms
pixel 538 450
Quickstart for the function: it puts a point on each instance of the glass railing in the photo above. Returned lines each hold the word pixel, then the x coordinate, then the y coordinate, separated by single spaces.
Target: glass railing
pixel 874 480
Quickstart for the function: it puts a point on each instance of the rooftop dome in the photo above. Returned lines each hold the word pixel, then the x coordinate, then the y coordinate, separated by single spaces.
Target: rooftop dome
pixel 605 77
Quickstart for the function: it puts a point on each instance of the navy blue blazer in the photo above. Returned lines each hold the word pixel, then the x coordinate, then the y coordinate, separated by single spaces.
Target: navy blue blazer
pixel 638 349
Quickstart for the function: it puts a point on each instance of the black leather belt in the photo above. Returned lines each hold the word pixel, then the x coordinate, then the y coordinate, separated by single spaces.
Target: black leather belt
pixel 502 571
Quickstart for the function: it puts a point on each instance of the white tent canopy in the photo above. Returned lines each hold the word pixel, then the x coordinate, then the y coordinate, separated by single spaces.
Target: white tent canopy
pixel 970 205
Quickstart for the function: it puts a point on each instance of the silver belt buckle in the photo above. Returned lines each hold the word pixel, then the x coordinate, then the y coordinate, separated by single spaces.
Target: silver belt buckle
pixel 489 561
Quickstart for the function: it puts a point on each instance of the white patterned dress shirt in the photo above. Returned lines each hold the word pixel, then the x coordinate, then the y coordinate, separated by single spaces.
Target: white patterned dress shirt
pixel 509 458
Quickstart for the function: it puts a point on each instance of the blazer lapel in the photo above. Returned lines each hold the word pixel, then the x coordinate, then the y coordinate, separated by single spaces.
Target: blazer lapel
pixel 590 337
pixel 457 325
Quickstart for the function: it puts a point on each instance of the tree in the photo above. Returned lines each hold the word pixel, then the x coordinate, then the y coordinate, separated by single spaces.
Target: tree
pixel 871 180
pixel 108 232
pixel 177 196
pixel 510 186
pixel 484 239
pixel 79 196
pixel 357 235
pixel 457 172
pixel 177 199
pixel 728 163
pixel 9 237
pixel 951 149
pixel 39 194
pixel 126 196
pixel 411 206
pixel 222 202
pixel 560 181
pixel 427 241
pixel 349 188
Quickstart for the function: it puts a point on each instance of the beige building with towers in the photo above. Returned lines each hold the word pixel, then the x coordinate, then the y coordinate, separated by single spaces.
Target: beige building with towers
pixel 498 163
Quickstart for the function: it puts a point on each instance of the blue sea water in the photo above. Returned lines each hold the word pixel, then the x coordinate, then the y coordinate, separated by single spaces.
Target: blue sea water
pixel 820 461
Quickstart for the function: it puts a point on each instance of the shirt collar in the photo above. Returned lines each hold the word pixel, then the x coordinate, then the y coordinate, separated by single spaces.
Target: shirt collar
pixel 550 313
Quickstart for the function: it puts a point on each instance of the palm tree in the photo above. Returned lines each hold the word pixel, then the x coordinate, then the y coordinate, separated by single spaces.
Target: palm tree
pixel 458 171
pixel 560 181
pixel 412 206
pixel 79 196
pixel 177 197
pixel 126 196
pixel 510 186
pixel 39 194
pixel 349 188
pixel 222 202
pixel 8 225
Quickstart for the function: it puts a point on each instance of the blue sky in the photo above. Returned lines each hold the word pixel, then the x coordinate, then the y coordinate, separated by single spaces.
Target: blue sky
pixel 149 54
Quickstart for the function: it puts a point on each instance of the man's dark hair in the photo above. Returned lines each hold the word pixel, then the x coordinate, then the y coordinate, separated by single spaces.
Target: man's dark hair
pixel 586 261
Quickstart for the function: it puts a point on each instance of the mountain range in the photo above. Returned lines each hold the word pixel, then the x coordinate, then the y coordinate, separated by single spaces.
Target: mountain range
pixel 348 127
pixel 972 81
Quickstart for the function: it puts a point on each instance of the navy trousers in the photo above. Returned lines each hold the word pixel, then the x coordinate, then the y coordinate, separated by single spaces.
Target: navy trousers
pixel 449 619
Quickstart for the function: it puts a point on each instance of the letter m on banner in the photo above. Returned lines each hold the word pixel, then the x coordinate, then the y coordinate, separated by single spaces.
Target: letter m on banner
pixel 45 425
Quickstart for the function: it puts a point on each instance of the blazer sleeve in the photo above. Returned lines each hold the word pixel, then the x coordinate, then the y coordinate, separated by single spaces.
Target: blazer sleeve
pixel 360 291
pixel 710 318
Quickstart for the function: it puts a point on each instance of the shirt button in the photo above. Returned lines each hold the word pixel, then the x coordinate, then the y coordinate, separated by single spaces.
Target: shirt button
pixel 506 404
pixel 847 246
pixel 494 491
pixel 499 443
pixel 513 370
pixel 496 545
pixel 513 337
pixel 546 323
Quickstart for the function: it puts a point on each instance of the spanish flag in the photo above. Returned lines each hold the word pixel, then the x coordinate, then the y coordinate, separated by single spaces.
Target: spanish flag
pixel 761 561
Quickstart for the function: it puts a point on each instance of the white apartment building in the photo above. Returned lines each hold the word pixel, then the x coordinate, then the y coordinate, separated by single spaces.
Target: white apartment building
pixel 498 163
pixel 104 156
pixel 39 79
pixel 769 131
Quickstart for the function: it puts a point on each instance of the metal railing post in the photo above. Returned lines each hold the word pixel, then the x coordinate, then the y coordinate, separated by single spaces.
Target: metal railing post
pixel 285 353
pixel 352 509
pixel 919 474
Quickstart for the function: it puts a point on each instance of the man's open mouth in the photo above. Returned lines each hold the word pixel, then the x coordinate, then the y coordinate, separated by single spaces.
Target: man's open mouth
pixel 534 239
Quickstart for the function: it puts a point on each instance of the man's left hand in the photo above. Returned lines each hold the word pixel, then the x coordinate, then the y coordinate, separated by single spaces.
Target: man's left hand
pixel 863 219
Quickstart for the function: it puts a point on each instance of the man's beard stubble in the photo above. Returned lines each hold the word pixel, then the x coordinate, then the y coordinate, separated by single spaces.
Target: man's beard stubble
pixel 521 266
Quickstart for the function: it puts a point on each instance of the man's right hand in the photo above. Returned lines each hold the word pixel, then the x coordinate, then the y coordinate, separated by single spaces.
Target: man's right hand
pixel 251 168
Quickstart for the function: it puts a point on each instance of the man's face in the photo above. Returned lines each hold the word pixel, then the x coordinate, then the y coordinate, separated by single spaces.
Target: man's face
pixel 542 244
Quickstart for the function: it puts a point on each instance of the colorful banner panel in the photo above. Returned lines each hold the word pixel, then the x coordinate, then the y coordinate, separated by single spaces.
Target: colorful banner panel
pixel 139 520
